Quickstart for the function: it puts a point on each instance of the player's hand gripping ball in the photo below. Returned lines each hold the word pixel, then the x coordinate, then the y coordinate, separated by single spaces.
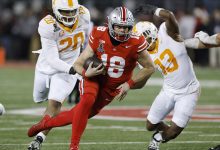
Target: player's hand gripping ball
pixel 96 62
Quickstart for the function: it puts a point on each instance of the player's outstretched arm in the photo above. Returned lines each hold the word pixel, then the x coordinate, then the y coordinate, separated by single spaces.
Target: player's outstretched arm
pixel 139 80
pixel 213 40
pixel 144 74
pixel 168 16
pixel 78 65
pixel 203 40
pixel 194 43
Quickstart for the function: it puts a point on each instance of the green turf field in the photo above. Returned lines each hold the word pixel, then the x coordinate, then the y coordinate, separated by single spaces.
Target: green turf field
pixel 16 93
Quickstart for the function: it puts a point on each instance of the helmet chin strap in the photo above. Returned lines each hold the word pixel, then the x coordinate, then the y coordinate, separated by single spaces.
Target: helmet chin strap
pixel 124 36
pixel 114 41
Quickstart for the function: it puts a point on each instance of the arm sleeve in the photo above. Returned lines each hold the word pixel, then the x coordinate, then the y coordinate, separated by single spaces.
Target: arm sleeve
pixel 192 43
pixel 50 51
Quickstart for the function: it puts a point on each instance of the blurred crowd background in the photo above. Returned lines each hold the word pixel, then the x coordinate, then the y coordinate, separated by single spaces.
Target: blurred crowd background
pixel 19 22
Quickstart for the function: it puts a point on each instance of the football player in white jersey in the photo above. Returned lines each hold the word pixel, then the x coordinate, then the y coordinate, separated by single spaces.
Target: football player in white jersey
pixel 203 40
pixel 62 35
pixel 181 89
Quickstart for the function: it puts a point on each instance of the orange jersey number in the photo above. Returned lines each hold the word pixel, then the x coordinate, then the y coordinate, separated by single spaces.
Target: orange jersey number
pixel 49 20
pixel 74 41
pixel 172 67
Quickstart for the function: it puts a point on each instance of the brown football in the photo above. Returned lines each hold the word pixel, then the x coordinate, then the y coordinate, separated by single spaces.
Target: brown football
pixel 96 62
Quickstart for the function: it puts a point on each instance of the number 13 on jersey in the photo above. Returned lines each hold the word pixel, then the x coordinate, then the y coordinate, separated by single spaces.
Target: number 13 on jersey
pixel 171 59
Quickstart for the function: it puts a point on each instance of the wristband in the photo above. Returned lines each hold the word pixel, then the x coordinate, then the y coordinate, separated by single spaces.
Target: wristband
pixel 131 83
pixel 84 73
pixel 157 12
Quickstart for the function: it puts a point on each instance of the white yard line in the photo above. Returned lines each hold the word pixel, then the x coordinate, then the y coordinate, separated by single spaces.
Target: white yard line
pixel 122 128
pixel 209 135
pixel 119 143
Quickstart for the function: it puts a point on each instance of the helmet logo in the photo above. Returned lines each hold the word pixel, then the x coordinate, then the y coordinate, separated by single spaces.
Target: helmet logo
pixel 61 33
pixel 101 46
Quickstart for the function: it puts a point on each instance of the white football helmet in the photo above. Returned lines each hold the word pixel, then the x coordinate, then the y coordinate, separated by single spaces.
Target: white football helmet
pixel 148 29
pixel 66 11
pixel 120 16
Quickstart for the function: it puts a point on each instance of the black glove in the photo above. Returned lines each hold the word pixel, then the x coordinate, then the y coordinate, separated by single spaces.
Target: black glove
pixel 145 9
pixel 72 71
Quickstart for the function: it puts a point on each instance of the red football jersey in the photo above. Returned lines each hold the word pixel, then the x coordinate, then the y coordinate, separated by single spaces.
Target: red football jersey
pixel 119 60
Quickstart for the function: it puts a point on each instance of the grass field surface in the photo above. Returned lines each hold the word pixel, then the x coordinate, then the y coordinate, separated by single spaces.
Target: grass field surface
pixel 104 132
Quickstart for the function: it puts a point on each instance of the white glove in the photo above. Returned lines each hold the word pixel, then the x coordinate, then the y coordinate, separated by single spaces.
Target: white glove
pixel 201 35
pixel 205 38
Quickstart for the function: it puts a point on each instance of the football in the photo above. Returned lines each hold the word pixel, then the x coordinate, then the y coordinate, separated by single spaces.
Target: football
pixel 2 109
pixel 96 62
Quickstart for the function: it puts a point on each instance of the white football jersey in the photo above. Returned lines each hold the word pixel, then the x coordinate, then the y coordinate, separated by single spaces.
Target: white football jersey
pixel 61 45
pixel 171 59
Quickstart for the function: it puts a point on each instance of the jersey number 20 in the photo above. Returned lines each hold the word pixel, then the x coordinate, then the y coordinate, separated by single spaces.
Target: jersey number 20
pixel 72 41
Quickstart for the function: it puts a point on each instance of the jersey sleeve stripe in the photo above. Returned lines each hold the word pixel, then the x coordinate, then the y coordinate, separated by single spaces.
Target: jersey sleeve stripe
pixel 91 36
pixel 142 44
pixel 142 48
pixel 91 40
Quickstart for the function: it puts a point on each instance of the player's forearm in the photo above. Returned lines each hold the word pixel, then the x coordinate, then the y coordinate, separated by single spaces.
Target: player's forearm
pixel 194 43
pixel 171 22
pixel 144 73
pixel 59 65
pixel 141 77
pixel 212 40
pixel 208 41
pixel 50 52
pixel 78 67
pixel 168 16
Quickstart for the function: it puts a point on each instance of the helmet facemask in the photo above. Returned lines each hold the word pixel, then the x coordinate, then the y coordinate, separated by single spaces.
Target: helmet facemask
pixel 121 33
pixel 120 23
pixel 149 31
pixel 68 17
pixel 150 38
pixel 66 12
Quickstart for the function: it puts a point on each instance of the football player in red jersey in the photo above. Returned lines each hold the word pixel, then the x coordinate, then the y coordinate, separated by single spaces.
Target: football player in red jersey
pixel 119 51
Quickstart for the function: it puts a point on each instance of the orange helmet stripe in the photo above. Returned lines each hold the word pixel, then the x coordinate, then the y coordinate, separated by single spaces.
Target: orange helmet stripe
pixel 70 3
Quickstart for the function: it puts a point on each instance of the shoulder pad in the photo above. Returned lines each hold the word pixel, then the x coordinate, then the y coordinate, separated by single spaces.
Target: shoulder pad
pixel 96 33
pixel 47 27
pixel 84 14
pixel 99 31
pixel 139 42
pixel 135 38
